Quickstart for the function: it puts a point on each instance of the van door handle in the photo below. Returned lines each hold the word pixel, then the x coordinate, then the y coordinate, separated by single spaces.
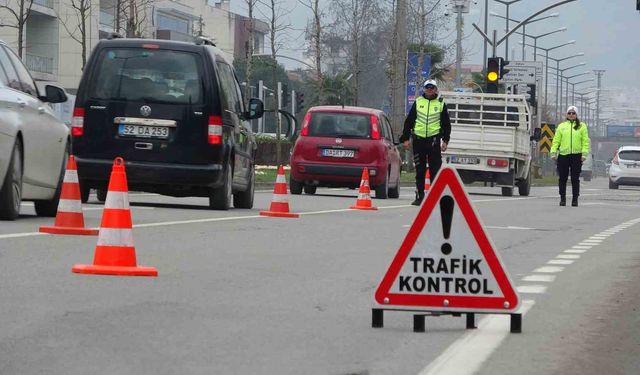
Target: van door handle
pixel 143 146
pixel 21 103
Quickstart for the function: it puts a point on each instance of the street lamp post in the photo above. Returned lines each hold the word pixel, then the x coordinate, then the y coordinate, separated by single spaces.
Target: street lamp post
pixel 507 3
pixel 535 41
pixel 546 68
pixel 572 86
pixel 557 66
pixel 559 78
pixel 524 25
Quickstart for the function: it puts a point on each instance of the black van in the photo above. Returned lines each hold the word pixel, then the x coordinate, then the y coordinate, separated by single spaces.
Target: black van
pixel 174 112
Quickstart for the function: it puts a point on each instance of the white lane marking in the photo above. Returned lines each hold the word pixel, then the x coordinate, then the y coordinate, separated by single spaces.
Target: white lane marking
pixel 568 256
pixel 598 237
pixel 593 241
pixel 468 353
pixel 539 278
pixel 548 269
pixel 18 235
pixel 575 251
pixel 560 261
pixel 590 244
pixel 531 289
pixel 581 247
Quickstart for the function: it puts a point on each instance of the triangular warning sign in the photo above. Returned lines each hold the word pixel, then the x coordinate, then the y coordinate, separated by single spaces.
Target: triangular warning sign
pixel 447 262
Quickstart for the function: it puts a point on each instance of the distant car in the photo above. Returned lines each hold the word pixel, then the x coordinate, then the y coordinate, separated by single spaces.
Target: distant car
pixel 336 143
pixel 33 142
pixel 174 112
pixel 625 167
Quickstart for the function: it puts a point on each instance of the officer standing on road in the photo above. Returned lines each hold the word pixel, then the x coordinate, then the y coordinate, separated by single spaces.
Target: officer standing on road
pixel 571 142
pixel 429 126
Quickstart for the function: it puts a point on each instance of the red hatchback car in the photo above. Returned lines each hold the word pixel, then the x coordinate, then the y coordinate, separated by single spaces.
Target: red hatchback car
pixel 336 143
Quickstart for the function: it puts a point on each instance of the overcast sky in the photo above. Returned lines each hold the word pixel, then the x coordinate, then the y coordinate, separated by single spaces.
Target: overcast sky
pixel 607 31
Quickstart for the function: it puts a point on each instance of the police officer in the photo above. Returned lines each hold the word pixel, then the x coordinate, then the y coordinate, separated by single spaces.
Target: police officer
pixel 570 147
pixel 429 126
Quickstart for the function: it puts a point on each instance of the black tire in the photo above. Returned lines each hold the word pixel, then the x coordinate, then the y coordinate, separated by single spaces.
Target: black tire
pixel 50 208
pixel 85 190
pixel 308 189
pixel 295 187
pixel 220 198
pixel 244 199
pixel 613 185
pixel 507 191
pixel 102 194
pixel 395 192
pixel 381 190
pixel 11 193
pixel 524 187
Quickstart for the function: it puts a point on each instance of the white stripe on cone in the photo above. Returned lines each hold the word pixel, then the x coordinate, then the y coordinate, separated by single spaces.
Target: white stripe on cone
pixel 117 200
pixel 280 179
pixel 71 176
pixel 280 198
pixel 69 205
pixel 364 196
pixel 115 237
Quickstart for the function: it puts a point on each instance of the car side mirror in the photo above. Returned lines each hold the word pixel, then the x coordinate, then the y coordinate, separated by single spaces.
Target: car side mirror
pixel 256 109
pixel 537 135
pixel 54 94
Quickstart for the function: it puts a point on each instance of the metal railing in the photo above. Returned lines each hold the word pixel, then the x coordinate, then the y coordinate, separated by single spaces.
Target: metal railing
pixel 41 64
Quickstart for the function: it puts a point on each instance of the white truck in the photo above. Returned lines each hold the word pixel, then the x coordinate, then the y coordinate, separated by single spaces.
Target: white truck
pixel 491 138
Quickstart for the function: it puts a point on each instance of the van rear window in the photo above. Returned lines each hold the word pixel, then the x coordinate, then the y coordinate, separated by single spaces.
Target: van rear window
pixel 156 76
pixel 343 125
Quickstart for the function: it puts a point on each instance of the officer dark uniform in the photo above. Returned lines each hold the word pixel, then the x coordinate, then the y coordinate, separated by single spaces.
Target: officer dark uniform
pixel 429 126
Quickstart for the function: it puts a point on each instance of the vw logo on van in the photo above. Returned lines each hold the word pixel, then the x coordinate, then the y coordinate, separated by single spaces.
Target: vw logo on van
pixel 145 110
pixel 338 140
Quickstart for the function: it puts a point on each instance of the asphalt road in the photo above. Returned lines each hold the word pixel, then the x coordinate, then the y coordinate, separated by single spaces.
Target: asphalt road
pixel 238 293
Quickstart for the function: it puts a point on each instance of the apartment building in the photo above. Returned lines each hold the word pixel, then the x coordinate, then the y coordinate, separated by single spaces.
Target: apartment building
pixel 53 53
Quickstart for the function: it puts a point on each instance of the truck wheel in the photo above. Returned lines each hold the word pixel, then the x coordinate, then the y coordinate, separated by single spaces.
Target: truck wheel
pixel 507 191
pixel 11 193
pixel 244 199
pixel 524 187
pixel 220 198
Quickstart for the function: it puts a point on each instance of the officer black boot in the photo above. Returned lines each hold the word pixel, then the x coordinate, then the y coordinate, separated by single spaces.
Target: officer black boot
pixel 563 200
pixel 574 201
pixel 419 198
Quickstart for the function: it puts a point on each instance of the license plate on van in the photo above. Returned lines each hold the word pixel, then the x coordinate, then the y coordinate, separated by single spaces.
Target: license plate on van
pixel 337 153
pixel 143 131
pixel 464 160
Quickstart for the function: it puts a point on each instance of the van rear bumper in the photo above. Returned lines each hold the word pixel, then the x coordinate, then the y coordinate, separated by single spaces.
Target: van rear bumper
pixel 98 172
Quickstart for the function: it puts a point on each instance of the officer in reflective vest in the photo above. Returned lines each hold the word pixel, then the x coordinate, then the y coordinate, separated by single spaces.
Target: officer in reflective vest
pixel 428 125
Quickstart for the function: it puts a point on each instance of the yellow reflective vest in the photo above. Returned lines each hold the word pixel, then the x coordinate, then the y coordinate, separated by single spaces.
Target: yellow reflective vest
pixel 568 140
pixel 428 116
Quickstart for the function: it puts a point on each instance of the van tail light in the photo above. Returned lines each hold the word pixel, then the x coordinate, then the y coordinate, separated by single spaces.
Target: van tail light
pixel 305 125
pixel 215 130
pixel 375 129
pixel 499 163
pixel 77 122
pixel 616 160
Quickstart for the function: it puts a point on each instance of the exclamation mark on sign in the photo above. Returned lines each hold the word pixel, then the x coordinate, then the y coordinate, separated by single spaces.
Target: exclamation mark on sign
pixel 446 211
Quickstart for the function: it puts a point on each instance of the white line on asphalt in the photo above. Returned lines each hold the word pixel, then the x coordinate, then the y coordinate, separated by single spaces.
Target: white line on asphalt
pixel 466 355
pixel 539 278
pixel 590 244
pixel 581 247
pixel 548 269
pixel 575 251
pixel 17 235
pixel 531 289
pixel 568 256
pixel 560 261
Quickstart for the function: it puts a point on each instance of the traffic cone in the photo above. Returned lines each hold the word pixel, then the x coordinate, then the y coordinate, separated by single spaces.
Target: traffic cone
pixel 69 218
pixel 115 253
pixel 427 181
pixel 279 202
pixel 364 194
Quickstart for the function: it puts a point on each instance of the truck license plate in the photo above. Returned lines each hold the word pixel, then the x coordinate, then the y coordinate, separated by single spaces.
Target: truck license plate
pixel 464 160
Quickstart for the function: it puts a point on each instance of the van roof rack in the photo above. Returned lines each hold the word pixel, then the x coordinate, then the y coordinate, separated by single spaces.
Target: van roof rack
pixel 114 35
pixel 200 40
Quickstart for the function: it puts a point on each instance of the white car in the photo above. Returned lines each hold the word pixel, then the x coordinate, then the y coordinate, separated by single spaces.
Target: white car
pixel 625 167
pixel 34 144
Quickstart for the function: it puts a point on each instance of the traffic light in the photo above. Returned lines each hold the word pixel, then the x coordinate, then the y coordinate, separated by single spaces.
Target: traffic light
pixel 637 4
pixel 504 63
pixel 532 92
pixel 299 101
pixel 493 74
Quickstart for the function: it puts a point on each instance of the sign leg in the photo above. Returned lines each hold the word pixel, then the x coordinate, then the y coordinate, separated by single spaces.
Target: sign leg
pixel 516 323
pixel 377 318
pixel 418 323
pixel 471 321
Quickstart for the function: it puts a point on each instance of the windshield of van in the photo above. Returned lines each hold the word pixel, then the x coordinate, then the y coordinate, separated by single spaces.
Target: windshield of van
pixel 146 75
pixel 343 125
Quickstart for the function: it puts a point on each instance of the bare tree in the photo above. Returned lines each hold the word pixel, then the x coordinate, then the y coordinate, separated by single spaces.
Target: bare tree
pixel 315 31
pixel 20 10
pixel 251 4
pixel 79 33
pixel 136 13
pixel 428 25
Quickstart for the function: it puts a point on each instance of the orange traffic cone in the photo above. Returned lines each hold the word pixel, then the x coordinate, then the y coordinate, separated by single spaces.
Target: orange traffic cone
pixel 69 218
pixel 115 253
pixel 427 181
pixel 364 194
pixel 279 202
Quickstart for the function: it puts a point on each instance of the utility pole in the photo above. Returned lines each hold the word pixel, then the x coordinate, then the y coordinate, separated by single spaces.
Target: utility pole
pixel 598 81
pixel 486 15
pixel 461 6
pixel 398 84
